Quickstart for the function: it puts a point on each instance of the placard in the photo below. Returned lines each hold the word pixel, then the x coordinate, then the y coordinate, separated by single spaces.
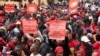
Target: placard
pixel 31 8
pixel 29 26
pixel 9 8
pixel 57 29
pixel 73 6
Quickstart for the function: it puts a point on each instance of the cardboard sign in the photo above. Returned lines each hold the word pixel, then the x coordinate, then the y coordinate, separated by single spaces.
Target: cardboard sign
pixel 57 29
pixel 9 8
pixel 29 26
pixel 31 8
pixel 73 6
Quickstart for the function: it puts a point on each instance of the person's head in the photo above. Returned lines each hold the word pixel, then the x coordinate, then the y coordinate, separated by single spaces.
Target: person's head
pixel 24 39
pixel 18 23
pixel 59 51
pixel 34 48
pixel 10 46
pixel 98 37
pixel 90 35
pixel 78 23
pixel 30 41
pixel 38 41
pixel 18 49
pixel 85 40
pixel 15 40
pixel 30 1
pixel 2 32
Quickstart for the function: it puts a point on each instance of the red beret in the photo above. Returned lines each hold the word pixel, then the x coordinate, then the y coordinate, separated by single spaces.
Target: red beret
pixel 96 45
pixel 11 45
pixel 58 49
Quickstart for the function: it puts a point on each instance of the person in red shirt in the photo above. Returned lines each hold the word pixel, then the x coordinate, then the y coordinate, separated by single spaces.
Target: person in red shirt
pixel 96 47
pixel 8 48
pixel 93 26
pixel 84 47
pixel 59 51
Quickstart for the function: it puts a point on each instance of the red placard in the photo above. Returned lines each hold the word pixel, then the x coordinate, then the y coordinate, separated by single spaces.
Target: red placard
pixel 9 8
pixel 57 29
pixel 29 26
pixel 31 8
pixel 73 6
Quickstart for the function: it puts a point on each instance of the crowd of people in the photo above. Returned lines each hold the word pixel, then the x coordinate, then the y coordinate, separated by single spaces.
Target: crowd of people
pixel 82 31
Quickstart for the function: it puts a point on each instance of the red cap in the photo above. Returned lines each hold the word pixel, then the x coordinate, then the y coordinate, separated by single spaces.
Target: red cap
pixel 58 49
pixel 11 45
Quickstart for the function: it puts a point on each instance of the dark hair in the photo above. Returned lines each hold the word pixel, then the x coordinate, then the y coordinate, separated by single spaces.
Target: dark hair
pixel 19 46
pixel 98 37
pixel 25 38
pixel 14 53
pixel 18 36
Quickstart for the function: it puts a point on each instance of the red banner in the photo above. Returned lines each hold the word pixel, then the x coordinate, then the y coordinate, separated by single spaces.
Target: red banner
pixel 9 8
pixel 31 8
pixel 29 26
pixel 57 29
pixel 73 6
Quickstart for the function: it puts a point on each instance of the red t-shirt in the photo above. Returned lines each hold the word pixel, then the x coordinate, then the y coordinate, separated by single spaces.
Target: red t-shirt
pixel 73 43
pixel 94 28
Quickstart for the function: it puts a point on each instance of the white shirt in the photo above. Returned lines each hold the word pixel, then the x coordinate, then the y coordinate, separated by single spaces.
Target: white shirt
pixel 32 54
